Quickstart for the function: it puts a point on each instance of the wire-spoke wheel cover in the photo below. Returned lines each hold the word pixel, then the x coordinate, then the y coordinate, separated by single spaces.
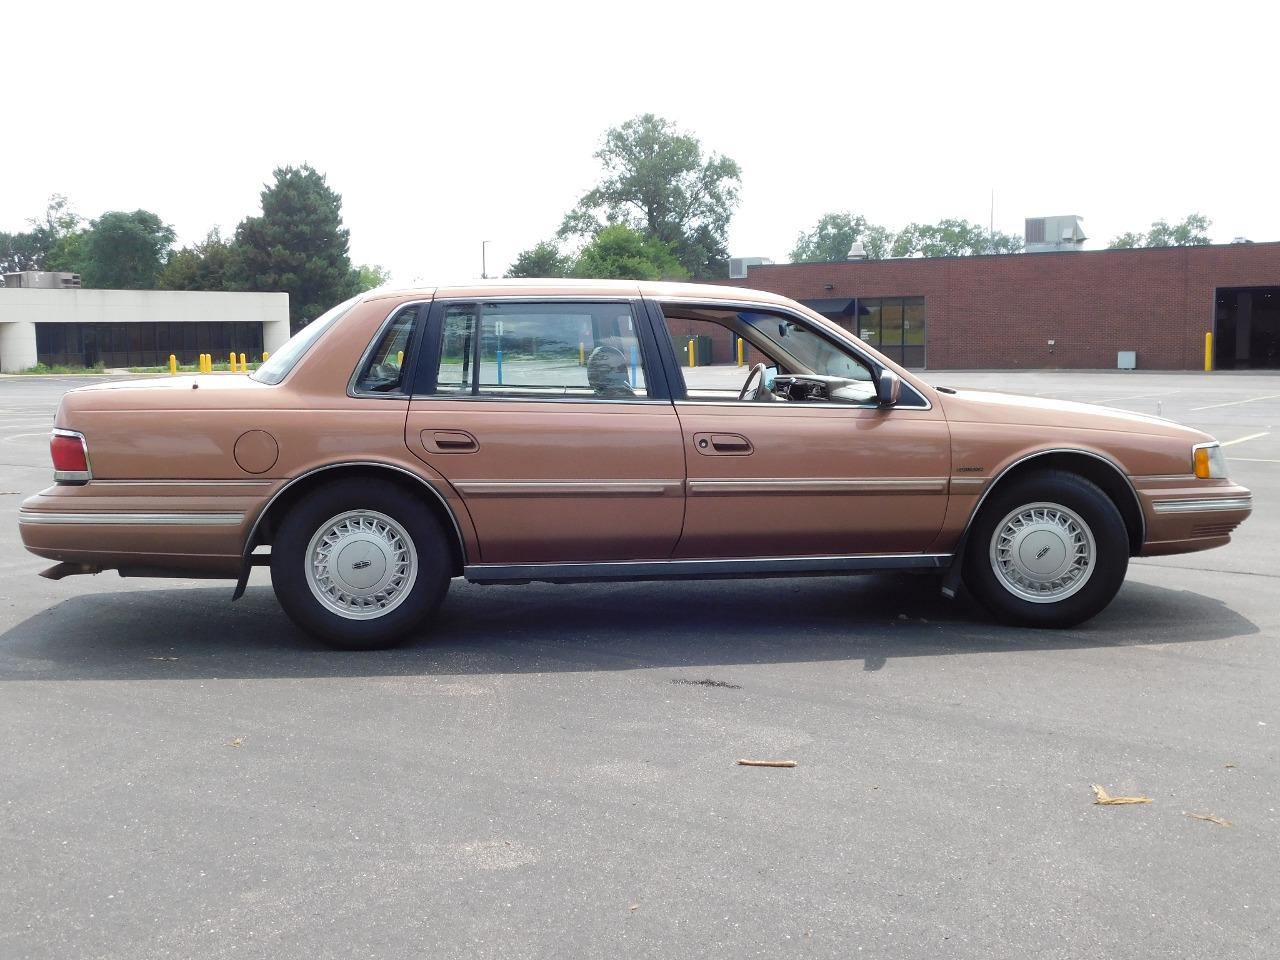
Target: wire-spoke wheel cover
pixel 361 564
pixel 1043 552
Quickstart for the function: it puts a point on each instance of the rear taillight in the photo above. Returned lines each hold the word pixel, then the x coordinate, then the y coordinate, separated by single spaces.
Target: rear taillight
pixel 70 456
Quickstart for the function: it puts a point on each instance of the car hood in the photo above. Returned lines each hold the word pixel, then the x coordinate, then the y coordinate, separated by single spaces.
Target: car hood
pixel 978 406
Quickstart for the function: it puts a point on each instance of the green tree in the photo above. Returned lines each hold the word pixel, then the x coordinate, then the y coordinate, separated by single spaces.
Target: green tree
pixel 370 276
pixel 541 260
pixel 212 264
pixel 125 251
pixel 620 253
pixel 298 245
pixel 1190 231
pixel 54 243
pixel 658 183
pixel 952 238
pixel 831 240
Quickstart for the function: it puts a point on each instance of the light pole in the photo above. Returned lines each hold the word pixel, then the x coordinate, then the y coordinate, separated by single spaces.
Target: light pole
pixel 484 260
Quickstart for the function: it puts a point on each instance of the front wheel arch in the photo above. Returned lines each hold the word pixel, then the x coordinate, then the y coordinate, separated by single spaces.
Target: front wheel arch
pixel 1098 470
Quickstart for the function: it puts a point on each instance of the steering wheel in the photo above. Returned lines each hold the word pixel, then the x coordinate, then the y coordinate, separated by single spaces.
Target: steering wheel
pixel 755 381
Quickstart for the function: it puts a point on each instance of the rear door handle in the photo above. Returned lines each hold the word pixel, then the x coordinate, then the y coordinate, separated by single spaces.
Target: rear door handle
pixel 722 444
pixel 449 441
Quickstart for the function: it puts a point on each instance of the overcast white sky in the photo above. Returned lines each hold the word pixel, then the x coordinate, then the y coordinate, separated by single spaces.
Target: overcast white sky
pixel 443 125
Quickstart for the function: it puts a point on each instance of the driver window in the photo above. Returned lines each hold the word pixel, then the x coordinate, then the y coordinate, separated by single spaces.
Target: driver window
pixel 718 352
pixel 383 371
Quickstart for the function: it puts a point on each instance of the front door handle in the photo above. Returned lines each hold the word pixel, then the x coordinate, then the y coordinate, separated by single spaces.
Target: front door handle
pixel 722 444
pixel 449 441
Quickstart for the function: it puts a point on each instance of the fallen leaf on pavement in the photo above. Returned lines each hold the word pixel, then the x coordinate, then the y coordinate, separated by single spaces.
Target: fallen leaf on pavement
pixel 1211 818
pixel 766 763
pixel 237 742
pixel 1107 800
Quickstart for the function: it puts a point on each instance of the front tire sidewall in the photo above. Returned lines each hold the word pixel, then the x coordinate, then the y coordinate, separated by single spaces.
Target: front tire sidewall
pixel 1110 560
pixel 289 559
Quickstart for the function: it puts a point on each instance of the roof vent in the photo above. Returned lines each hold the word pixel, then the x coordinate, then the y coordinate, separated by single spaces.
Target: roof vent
pixel 857 251
pixel 738 266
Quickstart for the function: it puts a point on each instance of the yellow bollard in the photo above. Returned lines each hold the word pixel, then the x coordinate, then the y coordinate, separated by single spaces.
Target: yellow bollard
pixel 582 354
pixel 399 358
pixel 173 365
pixel 693 357
pixel 233 361
pixel 741 352
pixel 1208 352
pixel 244 367
pixel 265 356
pixel 200 363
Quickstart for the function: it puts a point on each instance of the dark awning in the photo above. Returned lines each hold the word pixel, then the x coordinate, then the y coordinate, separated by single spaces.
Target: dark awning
pixel 839 307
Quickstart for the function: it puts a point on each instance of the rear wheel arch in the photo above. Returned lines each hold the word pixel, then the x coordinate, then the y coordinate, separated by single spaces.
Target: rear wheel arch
pixel 268 522
pixel 1102 472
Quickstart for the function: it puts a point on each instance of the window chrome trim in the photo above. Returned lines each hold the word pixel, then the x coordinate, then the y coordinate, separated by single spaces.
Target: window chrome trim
pixel 1201 505
pixel 544 399
pixel 702 569
pixel 135 519
pixel 73 477
pixel 839 334
pixel 383 327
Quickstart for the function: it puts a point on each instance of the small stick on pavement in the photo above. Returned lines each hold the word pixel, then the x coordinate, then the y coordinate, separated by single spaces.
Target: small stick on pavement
pixel 766 763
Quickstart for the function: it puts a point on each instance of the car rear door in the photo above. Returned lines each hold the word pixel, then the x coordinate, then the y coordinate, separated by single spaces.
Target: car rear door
pixel 541 414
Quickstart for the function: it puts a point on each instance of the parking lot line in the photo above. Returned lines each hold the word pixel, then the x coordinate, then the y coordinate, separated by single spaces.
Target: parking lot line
pixel 1234 403
pixel 1252 436
pixel 1253 460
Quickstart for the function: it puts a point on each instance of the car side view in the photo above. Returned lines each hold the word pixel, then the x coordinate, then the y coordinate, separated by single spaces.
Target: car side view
pixel 608 430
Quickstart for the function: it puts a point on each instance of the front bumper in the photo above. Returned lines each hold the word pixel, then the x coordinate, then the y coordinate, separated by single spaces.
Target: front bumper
pixel 1185 515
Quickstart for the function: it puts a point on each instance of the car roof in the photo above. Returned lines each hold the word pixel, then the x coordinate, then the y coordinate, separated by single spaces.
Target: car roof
pixel 578 288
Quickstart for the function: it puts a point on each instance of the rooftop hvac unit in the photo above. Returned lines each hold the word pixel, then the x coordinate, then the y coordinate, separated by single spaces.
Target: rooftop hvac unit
pixel 857 251
pixel 738 266
pixel 1043 234
pixel 42 279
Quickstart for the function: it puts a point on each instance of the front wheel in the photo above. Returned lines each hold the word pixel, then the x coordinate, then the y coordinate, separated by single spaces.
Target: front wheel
pixel 359 564
pixel 1050 550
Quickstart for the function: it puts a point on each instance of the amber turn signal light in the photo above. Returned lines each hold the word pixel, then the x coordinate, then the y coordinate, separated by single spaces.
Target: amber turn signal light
pixel 1210 464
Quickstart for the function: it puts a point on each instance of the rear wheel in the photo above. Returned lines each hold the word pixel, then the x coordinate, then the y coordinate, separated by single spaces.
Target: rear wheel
pixel 1050 550
pixel 359 564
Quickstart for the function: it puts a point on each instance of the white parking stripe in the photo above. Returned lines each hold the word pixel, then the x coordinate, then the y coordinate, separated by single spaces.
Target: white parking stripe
pixel 1252 460
pixel 1140 396
pixel 1234 403
pixel 1252 436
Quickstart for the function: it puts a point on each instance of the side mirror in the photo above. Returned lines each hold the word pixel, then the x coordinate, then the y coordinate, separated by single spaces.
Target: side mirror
pixel 888 388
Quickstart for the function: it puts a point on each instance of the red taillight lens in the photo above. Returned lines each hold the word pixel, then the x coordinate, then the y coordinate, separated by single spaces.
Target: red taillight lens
pixel 69 456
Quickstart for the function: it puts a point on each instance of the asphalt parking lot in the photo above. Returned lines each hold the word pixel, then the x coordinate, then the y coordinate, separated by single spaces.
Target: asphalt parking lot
pixel 550 773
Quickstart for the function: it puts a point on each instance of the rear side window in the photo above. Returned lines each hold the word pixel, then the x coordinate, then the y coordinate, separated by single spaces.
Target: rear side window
pixel 383 370
pixel 552 350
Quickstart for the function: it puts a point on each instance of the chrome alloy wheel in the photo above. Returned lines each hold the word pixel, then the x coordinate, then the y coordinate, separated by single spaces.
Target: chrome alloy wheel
pixel 361 564
pixel 1043 552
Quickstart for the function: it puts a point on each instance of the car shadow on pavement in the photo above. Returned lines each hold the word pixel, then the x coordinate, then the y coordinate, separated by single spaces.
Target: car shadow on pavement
pixel 196 633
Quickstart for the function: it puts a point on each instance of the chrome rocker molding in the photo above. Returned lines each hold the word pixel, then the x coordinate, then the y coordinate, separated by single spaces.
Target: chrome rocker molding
pixel 701 569
pixel 136 519
pixel 1202 506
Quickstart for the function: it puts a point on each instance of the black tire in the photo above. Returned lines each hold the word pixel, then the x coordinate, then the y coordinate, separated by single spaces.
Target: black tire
pixel 364 500
pixel 1101 520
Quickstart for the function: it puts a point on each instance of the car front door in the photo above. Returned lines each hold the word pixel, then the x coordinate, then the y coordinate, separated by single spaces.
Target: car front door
pixel 541 415
pixel 808 478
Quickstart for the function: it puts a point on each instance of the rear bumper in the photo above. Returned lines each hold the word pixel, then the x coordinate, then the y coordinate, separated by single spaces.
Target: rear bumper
pixel 1190 515
pixel 149 530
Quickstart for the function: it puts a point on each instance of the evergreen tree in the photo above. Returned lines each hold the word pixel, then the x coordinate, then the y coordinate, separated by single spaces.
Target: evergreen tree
pixel 299 245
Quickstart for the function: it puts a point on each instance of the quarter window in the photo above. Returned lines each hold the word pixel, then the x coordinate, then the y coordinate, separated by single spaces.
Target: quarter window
pixel 384 368
pixel 542 350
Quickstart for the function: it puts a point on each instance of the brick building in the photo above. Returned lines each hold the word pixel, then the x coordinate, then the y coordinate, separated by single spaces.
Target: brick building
pixel 1075 309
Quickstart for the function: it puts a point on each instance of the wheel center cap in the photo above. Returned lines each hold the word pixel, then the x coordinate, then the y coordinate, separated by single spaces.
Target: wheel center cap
pixel 1042 552
pixel 361 563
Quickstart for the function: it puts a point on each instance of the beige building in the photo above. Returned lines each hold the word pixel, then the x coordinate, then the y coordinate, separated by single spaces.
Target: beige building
pixel 128 328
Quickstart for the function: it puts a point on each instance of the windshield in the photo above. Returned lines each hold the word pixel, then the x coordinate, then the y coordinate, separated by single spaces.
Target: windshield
pixel 283 360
